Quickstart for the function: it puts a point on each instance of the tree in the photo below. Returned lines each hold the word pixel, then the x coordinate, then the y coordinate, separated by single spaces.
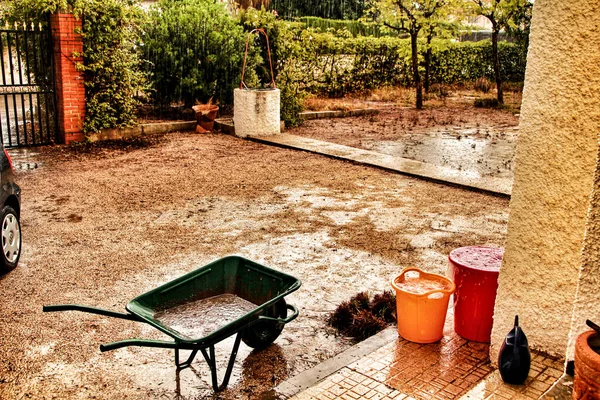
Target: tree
pixel 500 13
pixel 412 16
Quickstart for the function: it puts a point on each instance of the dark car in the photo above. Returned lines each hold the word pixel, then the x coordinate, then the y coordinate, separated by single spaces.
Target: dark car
pixel 10 201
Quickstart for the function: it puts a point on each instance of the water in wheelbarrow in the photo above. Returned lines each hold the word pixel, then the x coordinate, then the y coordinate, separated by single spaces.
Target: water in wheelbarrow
pixel 197 319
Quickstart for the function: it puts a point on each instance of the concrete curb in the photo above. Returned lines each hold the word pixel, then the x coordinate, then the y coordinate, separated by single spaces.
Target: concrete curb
pixel 311 377
pixel 405 166
pixel 143 129
pixel 224 125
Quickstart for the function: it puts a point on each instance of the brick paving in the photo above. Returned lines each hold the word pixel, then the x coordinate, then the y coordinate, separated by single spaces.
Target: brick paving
pixel 453 368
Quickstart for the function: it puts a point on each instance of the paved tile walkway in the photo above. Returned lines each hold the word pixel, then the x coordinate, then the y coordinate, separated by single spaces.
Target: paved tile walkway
pixel 453 368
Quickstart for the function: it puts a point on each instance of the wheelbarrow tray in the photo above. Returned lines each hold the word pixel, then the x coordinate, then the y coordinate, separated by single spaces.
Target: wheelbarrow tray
pixel 235 275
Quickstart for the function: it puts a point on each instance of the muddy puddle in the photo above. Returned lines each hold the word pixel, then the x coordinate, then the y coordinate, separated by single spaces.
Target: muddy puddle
pixel 199 318
pixel 485 151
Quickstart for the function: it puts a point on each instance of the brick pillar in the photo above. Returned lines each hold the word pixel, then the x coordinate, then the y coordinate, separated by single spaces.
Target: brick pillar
pixel 70 92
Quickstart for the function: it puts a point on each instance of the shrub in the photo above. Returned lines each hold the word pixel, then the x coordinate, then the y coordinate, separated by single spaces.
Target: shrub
pixel 196 51
pixel 486 102
pixel 482 85
pixel 112 66
pixel 287 53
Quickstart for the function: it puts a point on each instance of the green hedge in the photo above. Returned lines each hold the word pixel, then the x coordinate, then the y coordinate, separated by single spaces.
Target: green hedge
pixel 336 66
pixel 354 27
pixel 468 61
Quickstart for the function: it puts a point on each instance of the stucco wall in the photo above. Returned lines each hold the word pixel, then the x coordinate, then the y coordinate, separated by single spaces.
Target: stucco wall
pixel 587 302
pixel 555 164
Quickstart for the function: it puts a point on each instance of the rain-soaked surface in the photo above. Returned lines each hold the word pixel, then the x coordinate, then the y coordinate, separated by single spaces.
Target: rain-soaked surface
pixel 478 141
pixel 199 318
pixel 486 151
pixel 106 224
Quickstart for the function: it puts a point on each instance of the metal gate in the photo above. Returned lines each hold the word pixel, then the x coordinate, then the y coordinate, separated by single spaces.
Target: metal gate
pixel 27 98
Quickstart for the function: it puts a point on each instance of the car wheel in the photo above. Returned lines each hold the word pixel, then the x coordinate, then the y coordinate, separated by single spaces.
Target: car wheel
pixel 11 238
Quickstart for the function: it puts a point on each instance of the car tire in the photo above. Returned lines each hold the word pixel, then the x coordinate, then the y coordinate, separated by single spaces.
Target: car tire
pixel 10 233
pixel 263 333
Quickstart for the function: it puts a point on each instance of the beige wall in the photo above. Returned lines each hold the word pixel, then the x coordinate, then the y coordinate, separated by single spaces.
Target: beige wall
pixel 554 174
pixel 587 303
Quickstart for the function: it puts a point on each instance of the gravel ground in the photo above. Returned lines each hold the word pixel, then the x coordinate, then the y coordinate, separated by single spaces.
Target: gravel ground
pixel 104 223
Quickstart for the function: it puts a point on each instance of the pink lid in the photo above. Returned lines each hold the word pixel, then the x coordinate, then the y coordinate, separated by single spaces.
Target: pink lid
pixel 478 257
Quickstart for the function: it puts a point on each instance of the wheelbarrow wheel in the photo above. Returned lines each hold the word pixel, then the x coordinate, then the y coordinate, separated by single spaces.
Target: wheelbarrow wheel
pixel 263 333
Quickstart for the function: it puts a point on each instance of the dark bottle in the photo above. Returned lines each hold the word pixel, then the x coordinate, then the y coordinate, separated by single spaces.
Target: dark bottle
pixel 514 359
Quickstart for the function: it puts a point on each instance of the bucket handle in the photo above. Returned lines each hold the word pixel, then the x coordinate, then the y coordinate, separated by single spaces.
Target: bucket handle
pixel 258 31
pixel 426 294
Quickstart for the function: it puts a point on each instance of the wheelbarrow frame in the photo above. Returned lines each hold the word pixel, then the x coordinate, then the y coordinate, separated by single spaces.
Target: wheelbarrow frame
pixel 140 310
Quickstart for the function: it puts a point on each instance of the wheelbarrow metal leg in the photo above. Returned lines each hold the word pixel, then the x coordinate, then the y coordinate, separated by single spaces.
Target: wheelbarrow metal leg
pixel 188 362
pixel 210 359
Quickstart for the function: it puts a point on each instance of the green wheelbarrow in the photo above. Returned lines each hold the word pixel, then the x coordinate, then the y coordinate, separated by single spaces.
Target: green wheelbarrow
pixel 257 326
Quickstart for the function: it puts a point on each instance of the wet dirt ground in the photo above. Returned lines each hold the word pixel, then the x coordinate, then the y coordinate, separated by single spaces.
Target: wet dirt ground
pixel 104 223
pixel 455 135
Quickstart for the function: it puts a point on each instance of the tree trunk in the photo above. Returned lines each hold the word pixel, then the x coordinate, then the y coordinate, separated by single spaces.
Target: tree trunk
pixel 496 61
pixel 427 64
pixel 415 68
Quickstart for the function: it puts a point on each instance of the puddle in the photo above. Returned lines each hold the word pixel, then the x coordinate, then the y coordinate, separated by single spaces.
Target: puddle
pixel 485 151
pixel 317 198
pixel 24 159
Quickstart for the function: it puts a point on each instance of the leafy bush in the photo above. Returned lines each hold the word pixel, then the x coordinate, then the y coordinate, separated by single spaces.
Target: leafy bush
pixel 287 52
pixel 196 51
pixel 111 64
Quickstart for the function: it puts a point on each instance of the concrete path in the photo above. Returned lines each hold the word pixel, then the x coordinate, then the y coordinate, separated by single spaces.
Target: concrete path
pixel 472 180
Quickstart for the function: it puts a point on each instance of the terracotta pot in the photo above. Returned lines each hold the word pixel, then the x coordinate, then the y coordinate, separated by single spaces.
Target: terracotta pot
pixel 205 116
pixel 587 367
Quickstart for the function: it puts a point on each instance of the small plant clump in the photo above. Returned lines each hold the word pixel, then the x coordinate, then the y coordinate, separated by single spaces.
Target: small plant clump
pixel 361 316
pixel 486 103
pixel 483 85
pixel 384 306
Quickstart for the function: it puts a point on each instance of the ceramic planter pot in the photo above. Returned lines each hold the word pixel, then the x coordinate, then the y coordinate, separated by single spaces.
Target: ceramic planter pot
pixel 205 117
pixel 587 366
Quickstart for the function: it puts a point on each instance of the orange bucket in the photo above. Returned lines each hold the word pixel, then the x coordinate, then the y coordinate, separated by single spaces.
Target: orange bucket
pixel 421 304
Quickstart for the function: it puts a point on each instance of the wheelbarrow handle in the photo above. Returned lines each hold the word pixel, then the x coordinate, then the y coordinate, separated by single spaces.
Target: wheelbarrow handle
pixel 290 318
pixel 143 343
pixel 91 310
